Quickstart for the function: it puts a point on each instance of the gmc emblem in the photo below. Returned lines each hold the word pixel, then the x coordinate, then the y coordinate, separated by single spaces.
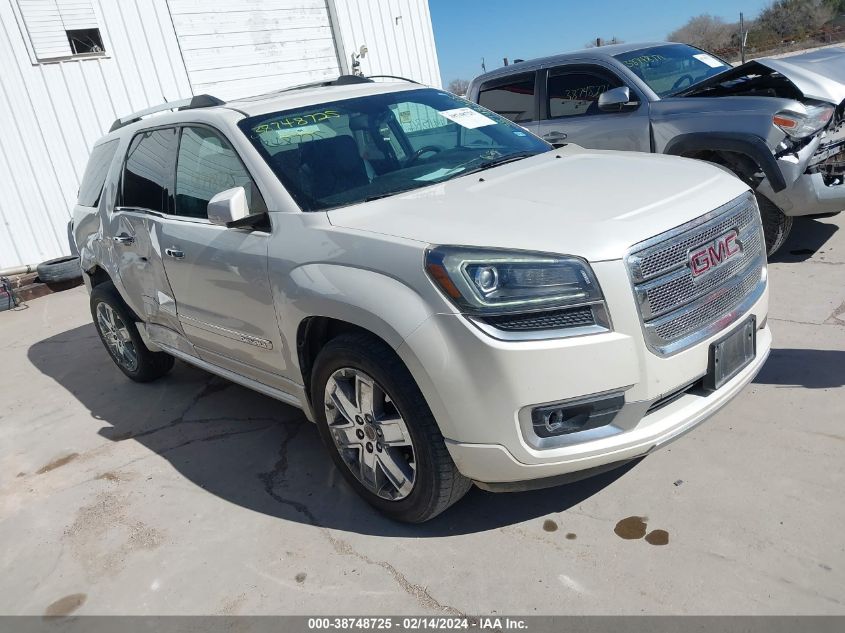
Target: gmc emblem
pixel 710 256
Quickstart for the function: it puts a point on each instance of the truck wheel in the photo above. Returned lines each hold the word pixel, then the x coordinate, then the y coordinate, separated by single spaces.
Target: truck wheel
pixel 116 327
pixel 776 224
pixel 380 432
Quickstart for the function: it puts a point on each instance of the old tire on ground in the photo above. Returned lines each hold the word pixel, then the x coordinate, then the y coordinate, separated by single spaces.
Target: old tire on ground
pixel 380 432
pixel 58 270
pixel 776 224
pixel 116 326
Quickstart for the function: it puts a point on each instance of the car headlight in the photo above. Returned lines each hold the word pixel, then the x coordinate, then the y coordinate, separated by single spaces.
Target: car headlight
pixel 803 124
pixel 484 282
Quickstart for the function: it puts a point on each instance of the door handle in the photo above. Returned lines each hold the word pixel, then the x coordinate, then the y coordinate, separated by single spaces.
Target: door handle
pixel 123 238
pixel 555 135
pixel 174 253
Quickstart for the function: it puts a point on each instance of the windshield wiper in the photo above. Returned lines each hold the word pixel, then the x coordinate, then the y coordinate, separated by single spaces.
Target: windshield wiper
pixel 501 160
pixel 459 171
pixel 379 196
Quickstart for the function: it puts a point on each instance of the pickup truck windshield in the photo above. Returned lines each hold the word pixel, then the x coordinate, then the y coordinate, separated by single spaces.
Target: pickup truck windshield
pixel 672 68
pixel 344 152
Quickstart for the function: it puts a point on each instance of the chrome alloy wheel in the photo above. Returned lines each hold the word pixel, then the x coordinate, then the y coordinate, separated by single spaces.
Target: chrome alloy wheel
pixel 370 434
pixel 117 337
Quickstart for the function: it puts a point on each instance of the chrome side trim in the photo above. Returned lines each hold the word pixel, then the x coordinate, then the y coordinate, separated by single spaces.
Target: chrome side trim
pixel 234 335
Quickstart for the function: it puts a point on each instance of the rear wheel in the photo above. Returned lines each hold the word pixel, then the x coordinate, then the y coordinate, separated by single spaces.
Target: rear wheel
pixel 117 330
pixel 776 224
pixel 380 432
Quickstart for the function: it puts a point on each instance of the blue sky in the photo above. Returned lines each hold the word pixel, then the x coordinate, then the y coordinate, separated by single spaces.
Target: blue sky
pixel 467 30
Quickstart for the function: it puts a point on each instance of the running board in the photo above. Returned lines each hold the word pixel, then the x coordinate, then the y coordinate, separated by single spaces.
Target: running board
pixel 249 383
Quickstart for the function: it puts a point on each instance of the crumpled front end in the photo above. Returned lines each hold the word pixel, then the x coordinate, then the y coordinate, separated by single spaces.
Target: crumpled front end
pixel 829 159
pixel 815 173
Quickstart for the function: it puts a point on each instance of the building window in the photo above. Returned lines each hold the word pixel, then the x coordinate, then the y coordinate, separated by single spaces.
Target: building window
pixel 84 41
pixel 59 29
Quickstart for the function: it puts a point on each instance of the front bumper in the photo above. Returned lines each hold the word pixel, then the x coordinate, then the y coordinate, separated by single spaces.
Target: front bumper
pixel 478 386
pixel 494 463
pixel 808 195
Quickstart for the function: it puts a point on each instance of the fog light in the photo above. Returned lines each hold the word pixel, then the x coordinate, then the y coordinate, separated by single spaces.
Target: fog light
pixel 574 416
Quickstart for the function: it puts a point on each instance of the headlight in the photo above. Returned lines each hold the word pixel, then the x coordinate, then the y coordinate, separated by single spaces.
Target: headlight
pixel 803 124
pixel 484 282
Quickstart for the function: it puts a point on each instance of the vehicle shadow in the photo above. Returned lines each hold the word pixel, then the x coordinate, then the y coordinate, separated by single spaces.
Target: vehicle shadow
pixel 256 452
pixel 809 368
pixel 808 236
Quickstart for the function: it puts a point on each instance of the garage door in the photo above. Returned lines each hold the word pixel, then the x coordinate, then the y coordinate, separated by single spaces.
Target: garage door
pixel 246 47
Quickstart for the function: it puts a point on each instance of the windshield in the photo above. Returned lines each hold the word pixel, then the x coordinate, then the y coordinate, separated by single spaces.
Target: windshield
pixel 343 152
pixel 672 68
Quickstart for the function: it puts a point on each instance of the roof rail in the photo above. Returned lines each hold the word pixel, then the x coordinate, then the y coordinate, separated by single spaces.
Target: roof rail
pixel 198 101
pixel 345 80
pixel 342 80
pixel 393 77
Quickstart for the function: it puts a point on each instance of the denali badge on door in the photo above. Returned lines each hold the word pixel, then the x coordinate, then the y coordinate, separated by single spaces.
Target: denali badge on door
pixel 731 354
pixel 715 253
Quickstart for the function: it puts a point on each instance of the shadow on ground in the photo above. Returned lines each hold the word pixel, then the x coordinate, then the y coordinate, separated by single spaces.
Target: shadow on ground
pixel 808 236
pixel 809 368
pixel 256 452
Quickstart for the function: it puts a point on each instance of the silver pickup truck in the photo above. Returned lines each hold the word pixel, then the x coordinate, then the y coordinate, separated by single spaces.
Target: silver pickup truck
pixel 778 124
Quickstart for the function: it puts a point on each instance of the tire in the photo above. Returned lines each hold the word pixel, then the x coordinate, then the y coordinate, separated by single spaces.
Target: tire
pixel 121 339
pixel 57 270
pixel 435 483
pixel 776 224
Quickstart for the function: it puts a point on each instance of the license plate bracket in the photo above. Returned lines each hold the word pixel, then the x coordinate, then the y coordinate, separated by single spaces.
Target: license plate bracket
pixel 731 354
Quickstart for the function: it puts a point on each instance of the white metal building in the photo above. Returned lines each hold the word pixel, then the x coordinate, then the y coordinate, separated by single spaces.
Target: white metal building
pixel 69 68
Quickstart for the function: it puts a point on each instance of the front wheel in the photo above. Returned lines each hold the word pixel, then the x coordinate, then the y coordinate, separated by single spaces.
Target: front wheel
pixel 380 432
pixel 117 330
pixel 776 224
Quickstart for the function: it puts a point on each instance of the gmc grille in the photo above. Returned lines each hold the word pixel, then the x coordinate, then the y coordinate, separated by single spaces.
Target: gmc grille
pixel 677 309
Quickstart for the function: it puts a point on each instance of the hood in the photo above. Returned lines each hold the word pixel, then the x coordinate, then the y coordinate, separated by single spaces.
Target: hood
pixel 816 75
pixel 592 204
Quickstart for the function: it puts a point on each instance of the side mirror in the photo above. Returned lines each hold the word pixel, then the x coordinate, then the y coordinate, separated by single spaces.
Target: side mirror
pixel 616 100
pixel 228 206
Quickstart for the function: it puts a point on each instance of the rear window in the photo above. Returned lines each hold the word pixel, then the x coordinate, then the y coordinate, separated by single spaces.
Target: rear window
pixel 95 173
pixel 513 99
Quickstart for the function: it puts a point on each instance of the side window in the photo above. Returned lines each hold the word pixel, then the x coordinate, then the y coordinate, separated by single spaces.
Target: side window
pixel 575 92
pixel 95 174
pixel 208 164
pixel 148 173
pixel 513 99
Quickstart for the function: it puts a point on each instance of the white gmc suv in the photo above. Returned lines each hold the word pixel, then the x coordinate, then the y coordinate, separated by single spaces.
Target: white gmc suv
pixel 450 299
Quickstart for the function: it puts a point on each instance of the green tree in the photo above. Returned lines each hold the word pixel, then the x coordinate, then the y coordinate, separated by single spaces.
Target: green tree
pixel 795 19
